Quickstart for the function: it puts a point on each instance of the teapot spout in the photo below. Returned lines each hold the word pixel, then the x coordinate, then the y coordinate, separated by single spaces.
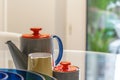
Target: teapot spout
pixel 19 58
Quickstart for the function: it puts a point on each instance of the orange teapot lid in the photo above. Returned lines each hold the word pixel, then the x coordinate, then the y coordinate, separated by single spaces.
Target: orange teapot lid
pixel 35 34
pixel 65 66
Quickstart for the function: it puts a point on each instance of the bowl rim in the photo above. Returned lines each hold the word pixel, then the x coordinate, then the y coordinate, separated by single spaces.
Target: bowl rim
pixel 2 69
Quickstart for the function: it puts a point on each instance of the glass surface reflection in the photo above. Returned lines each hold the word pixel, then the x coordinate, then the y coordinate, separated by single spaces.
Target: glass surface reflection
pixel 93 65
pixel 100 66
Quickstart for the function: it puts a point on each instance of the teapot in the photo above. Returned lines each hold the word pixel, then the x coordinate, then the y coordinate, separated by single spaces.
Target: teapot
pixel 31 43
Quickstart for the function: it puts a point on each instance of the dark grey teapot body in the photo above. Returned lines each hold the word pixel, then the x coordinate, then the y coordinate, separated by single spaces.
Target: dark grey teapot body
pixel 36 45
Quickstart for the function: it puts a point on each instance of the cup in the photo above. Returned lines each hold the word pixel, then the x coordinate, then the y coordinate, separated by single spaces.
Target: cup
pixel 40 62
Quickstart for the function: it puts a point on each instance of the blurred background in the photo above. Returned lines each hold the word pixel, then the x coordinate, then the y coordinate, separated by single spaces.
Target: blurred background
pixel 103 25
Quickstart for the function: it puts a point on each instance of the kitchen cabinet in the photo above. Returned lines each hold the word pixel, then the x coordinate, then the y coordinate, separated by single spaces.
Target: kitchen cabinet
pixel 76 24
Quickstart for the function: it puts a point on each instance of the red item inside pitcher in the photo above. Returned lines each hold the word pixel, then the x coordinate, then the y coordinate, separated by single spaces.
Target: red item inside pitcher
pixel 65 66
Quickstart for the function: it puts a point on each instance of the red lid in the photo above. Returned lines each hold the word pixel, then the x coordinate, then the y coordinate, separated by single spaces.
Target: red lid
pixel 35 34
pixel 65 67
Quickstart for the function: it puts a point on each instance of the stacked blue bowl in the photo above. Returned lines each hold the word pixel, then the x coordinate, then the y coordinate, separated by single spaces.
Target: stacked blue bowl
pixel 15 74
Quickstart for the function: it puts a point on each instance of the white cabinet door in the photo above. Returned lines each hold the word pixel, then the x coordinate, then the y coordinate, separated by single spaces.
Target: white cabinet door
pixel 76 24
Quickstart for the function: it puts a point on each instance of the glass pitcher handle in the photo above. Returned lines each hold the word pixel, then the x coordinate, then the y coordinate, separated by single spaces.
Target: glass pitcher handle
pixel 60 54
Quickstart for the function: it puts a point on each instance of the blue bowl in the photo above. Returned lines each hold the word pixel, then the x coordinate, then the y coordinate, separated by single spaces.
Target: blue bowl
pixel 14 74
pixel 3 76
pixel 26 75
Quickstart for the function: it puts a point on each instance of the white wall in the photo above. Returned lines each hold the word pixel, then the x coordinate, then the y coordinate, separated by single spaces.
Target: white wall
pixel 23 14
pixel 60 19
pixel 1 15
